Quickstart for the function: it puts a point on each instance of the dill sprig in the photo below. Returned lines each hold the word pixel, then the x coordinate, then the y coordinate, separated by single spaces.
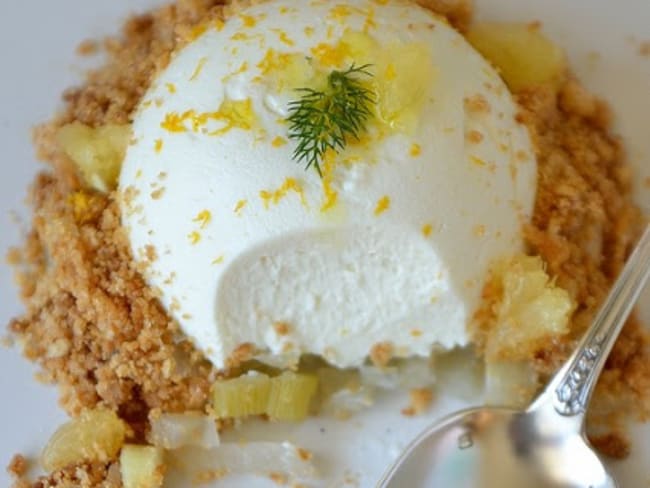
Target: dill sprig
pixel 322 120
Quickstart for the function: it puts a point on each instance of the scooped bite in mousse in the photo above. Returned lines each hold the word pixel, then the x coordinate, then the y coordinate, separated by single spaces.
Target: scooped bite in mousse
pixel 313 187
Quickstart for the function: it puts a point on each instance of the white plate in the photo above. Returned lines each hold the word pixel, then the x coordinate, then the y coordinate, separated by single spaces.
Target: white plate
pixel 37 40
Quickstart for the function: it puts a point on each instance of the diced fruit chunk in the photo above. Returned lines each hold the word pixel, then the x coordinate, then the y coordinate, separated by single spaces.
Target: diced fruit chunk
pixel 241 397
pixel 98 153
pixel 141 466
pixel 174 430
pixel 532 310
pixel 97 435
pixel 291 395
pixel 523 54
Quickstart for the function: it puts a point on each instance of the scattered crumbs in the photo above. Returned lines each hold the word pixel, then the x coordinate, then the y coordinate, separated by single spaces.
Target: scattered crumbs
pixel 157 146
pixel 242 353
pixel 382 205
pixel 138 174
pixel 170 279
pixel 218 259
pixel 415 150
pixel 88 47
pixel 281 328
pixel 14 256
pixel 644 49
pixel 199 68
pixel 158 102
pixel 194 237
pixel 157 194
pixel 477 104
pixel 278 141
pixel 240 206
pixel 474 136
pixel 279 478
pixel 171 88
pixel 479 230
pixel 186 316
pixel 420 401
pixel 305 454
pixel 18 466
pixel 162 175
pixel 434 299
pixel 309 31
pixel 416 333
pixel 203 218
pixel 381 353
pixel 427 229
pixel 150 253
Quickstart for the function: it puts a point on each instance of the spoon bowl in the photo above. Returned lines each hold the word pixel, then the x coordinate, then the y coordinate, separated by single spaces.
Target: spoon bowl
pixel 544 446
pixel 498 447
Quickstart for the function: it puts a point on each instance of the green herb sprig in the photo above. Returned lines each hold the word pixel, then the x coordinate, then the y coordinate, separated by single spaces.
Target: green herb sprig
pixel 322 120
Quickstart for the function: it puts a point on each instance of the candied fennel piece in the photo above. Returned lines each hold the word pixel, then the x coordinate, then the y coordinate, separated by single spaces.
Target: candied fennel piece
pixel 256 458
pixel 175 430
pixel 141 466
pixel 97 152
pixel 96 435
pixel 291 396
pixel 242 396
pixel 521 52
pixel 532 310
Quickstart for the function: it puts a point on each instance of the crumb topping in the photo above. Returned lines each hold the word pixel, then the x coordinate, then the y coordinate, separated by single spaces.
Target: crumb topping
pixel 381 353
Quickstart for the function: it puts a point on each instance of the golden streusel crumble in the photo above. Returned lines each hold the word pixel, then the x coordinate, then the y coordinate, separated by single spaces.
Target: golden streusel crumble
pixel 98 331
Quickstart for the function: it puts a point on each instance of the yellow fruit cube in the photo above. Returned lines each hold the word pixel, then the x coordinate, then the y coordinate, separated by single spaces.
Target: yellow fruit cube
pixel 141 466
pixel 241 397
pixel 98 153
pixel 521 52
pixel 291 396
pixel 97 435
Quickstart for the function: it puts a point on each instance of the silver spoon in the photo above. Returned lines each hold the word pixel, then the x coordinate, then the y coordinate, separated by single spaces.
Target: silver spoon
pixel 543 446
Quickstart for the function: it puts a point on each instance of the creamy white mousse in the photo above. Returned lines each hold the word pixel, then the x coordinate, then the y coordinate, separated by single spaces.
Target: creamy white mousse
pixel 391 246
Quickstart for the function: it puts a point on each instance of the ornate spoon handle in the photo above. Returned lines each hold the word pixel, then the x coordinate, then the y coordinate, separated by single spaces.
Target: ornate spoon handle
pixel 574 384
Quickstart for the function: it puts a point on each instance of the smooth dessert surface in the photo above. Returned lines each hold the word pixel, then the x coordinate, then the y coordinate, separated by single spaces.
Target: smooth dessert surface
pixel 391 245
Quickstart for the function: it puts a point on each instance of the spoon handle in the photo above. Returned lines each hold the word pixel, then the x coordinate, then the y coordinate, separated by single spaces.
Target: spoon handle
pixel 574 383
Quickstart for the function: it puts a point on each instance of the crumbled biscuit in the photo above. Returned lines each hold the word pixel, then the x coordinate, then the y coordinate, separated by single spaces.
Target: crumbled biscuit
pixel 381 353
